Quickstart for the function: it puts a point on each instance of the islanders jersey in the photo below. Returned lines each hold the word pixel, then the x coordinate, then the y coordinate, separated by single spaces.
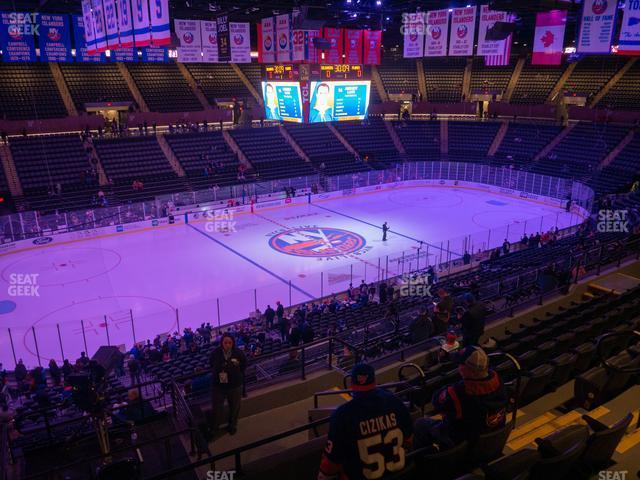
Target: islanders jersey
pixel 367 437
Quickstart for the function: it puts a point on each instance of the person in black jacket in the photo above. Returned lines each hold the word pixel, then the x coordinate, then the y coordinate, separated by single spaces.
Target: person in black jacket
pixel 228 364
pixel 269 315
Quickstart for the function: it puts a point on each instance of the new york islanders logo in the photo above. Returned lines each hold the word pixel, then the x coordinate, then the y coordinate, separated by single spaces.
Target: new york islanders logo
pixel 268 42
pixel 461 31
pixel 599 7
pixel 188 38
pixel 213 40
pixel 283 41
pixel 238 39
pixel 54 35
pixel 436 33
pixel 317 242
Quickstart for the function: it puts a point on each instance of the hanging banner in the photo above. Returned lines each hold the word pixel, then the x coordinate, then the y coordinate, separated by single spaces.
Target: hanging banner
pixel 629 43
pixel 124 55
pixel 488 19
pixel 502 56
pixel 266 45
pixel 111 22
pixel 141 26
pixel 125 23
pixel 188 33
pixel 463 31
pixel 55 38
pixel 79 38
pixel 597 25
pixel 224 41
pixel 437 33
pixel 209 35
pixel 334 53
pixel 372 47
pixel 413 30
pixel 160 24
pixel 240 34
pixel 298 46
pixel 548 41
pixel 353 46
pixel 89 32
pixel 99 25
pixel 155 55
pixel 283 36
pixel 16 37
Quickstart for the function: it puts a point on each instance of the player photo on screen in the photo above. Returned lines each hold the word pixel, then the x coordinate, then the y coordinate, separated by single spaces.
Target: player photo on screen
pixel 282 101
pixel 321 104
pixel 339 101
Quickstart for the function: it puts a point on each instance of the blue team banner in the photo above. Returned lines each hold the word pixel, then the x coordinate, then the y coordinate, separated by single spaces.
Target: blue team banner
pixel 629 43
pixel 82 55
pixel 597 26
pixel 124 55
pixel 155 55
pixel 17 30
pixel 55 38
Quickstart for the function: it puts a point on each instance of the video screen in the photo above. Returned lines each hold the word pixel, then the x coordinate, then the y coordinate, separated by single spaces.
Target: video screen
pixel 336 101
pixel 282 101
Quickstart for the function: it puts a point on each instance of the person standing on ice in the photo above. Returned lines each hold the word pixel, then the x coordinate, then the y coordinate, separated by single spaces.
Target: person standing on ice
pixel 385 229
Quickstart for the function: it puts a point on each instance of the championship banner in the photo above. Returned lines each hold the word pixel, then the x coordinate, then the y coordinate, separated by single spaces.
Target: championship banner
pixel 372 47
pixel 488 19
pixel 240 34
pixel 16 37
pixel 629 43
pixel 188 33
pixel 266 44
pixel 463 31
pixel 413 29
pixel 209 33
pixel 89 32
pixel 125 23
pixel 111 21
pixel 79 37
pixel 124 55
pixel 597 26
pixel 160 24
pixel 437 33
pixel 99 26
pixel 224 41
pixel 155 55
pixel 353 46
pixel 55 38
pixel 141 26
pixel 283 37
pixel 334 53
pixel 548 41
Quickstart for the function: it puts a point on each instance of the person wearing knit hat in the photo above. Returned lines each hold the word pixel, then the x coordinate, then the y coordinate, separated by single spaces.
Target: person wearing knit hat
pixel 367 435
pixel 475 405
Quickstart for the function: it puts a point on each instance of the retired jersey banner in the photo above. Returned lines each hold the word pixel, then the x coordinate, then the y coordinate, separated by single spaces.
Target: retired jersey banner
pixel 125 23
pixel 209 33
pixel 629 43
pixel 266 43
pixel 188 33
pixel 548 42
pixel 224 41
pixel 463 31
pixel 160 24
pixel 303 49
pixel 111 22
pixel 55 38
pixel 334 53
pixel 488 18
pixel 240 34
pixel 98 24
pixel 597 25
pixel 413 30
pixel 353 46
pixel 141 25
pixel 79 38
pixel 372 47
pixel 155 55
pixel 283 38
pixel 16 37
pixel 89 33
pixel 437 33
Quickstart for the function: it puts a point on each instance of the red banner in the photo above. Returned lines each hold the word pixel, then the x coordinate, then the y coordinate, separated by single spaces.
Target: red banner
pixel 334 53
pixel 372 47
pixel 353 46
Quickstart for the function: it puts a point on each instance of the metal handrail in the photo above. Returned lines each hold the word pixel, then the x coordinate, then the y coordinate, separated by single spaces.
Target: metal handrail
pixel 605 362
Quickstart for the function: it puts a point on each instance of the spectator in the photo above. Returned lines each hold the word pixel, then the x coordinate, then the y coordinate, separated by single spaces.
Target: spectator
pixel 472 320
pixel 466 258
pixel 382 292
pixel 306 332
pixel 269 315
pixel 420 327
pixel 469 408
pixel 134 370
pixel 137 409
pixel 506 246
pixel 442 311
pixel 228 364
pixel 67 369
pixel 20 372
pixel 360 425
pixel 55 372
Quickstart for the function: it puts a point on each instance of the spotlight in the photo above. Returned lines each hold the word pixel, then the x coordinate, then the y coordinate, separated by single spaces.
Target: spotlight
pixel 378 2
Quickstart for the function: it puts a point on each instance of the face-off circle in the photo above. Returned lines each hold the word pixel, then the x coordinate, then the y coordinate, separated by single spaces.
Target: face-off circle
pixel 317 242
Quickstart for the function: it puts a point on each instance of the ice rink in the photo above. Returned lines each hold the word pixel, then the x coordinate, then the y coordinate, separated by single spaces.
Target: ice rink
pixel 139 283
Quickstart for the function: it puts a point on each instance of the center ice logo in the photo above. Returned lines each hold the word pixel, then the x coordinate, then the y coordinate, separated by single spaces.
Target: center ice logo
pixel 317 242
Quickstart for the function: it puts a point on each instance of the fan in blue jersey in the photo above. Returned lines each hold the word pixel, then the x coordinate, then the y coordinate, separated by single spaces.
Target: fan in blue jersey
pixel 367 435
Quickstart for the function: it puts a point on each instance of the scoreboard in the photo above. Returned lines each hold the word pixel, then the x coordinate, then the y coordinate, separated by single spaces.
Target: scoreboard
pixel 337 72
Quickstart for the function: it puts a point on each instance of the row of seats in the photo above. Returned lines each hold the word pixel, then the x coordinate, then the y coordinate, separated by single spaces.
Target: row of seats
pixel 470 141
pixel 536 83
pixel 399 77
pixel 624 94
pixel 28 91
pixel 444 77
pixel 421 140
pixel 619 173
pixel 370 139
pixel 88 83
pixel 164 88
pixel 522 142
pixel 493 79
pixel 218 81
